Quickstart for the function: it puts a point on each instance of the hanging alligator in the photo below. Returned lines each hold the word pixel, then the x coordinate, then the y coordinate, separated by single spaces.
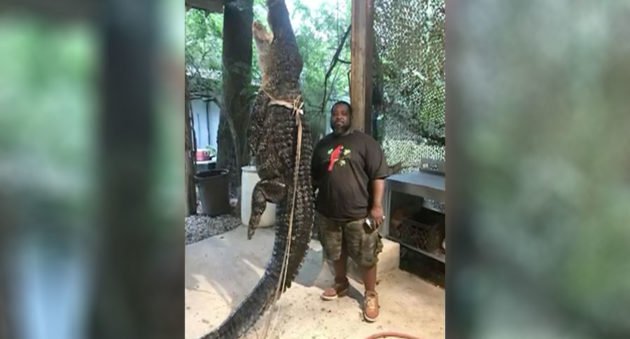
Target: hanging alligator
pixel 280 141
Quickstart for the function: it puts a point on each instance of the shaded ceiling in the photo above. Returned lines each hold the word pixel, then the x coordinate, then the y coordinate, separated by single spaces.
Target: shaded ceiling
pixel 212 6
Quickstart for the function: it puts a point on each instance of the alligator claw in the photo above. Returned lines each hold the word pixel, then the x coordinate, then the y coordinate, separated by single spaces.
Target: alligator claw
pixel 250 232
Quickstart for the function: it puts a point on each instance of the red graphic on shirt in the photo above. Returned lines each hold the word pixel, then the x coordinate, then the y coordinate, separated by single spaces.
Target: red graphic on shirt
pixel 338 154
pixel 334 156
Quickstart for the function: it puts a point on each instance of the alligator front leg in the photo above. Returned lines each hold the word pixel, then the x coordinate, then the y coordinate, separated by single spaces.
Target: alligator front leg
pixel 271 190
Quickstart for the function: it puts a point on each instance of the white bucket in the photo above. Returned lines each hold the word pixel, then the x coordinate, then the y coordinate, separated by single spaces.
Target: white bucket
pixel 249 178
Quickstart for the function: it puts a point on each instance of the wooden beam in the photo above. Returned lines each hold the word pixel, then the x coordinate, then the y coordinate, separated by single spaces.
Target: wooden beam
pixel 361 64
pixel 212 6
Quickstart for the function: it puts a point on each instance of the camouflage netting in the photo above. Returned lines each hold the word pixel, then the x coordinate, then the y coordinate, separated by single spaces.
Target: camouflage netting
pixel 410 45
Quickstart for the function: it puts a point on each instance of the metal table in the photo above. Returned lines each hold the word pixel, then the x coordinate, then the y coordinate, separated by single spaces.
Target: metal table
pixel 419 184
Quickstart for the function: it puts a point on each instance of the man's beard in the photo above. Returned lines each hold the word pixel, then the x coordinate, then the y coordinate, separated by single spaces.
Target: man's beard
pixel 340 130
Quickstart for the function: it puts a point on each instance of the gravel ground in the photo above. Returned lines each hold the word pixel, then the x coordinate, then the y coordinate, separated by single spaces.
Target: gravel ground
pixel 200 227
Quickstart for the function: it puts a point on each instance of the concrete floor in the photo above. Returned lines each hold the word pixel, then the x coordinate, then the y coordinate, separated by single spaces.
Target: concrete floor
pixel 222 270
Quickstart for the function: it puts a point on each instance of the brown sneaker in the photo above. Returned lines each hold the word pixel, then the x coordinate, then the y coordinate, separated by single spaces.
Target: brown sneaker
pixel 338 290
pixel 370 306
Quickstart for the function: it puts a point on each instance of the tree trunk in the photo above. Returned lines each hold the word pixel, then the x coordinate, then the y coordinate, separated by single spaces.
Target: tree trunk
pixel 237 67
pixel 189 153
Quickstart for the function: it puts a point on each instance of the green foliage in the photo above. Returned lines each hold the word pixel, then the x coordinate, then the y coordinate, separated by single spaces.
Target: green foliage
pixel 318 33
pixel 204 39
pixel 203 52
pixel 204 46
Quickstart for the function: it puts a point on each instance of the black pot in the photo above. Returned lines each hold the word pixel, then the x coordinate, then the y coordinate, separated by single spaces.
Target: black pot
pixel 214 191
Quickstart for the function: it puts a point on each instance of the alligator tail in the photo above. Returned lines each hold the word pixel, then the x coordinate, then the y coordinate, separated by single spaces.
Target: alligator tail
pixel 263 295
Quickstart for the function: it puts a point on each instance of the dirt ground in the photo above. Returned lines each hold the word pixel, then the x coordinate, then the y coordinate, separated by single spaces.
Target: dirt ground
pixel 222 270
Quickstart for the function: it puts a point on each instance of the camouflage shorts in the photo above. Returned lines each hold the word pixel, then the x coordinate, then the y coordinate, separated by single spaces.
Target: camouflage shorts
pixel 362 244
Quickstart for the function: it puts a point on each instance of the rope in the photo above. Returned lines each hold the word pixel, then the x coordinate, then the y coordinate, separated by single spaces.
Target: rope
pixel 296 108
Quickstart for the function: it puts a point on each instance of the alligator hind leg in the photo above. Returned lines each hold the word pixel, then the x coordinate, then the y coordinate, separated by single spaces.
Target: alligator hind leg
pixel 271 190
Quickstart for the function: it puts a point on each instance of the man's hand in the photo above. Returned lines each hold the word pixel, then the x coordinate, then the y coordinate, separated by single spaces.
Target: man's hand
pixel 376 214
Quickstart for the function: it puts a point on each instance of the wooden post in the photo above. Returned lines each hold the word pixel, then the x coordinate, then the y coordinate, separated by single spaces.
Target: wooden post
pixel 189 154
pixel 361 64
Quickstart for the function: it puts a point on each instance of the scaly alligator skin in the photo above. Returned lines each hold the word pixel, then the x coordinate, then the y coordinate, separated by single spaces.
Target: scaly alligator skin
pixel 272 139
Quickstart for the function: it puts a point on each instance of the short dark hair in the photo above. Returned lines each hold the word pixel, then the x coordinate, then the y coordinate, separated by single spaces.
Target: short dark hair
pixel 341 102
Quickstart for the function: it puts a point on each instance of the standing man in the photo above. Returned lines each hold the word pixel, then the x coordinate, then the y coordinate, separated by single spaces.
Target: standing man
pixel 348 169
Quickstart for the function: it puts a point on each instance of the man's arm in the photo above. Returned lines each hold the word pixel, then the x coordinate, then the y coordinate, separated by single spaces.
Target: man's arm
pixel 315 170
pixel 376 169
pixel 314 179
pixel 376 211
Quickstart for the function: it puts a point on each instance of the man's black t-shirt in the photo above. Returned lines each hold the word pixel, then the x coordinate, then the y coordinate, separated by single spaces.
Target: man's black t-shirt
pixel 342 169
